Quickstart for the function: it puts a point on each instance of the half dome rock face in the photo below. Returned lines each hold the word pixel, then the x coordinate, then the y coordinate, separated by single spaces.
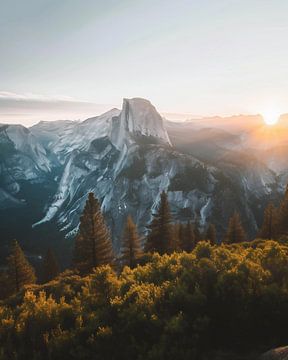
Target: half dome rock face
pixel 139 119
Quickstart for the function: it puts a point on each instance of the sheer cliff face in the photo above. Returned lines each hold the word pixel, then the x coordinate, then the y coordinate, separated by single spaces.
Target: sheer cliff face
pixel 139 118
pixel 126 157
pixel 127 163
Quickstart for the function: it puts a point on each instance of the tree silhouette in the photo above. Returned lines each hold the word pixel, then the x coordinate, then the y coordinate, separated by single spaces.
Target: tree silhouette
pixel 20 271
pixel 160 238
pixel 282 219
pixel 211 234
pixel 235 232
pixel 131 247
pixel 188 238
pixel 268 229
pixel 93 246
pixel 50 266
pixel 197 233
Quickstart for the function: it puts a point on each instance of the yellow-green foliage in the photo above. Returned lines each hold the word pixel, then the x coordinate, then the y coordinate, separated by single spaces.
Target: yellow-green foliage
pixel 178 306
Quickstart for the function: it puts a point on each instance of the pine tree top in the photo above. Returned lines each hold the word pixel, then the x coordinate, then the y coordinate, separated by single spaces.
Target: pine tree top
pixel 93 246
pixel 131 247
pixel 235 231
pixel 20 271
pixel 50 266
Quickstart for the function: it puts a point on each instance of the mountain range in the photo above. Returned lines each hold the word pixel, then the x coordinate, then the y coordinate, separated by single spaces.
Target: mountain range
pixel 210 168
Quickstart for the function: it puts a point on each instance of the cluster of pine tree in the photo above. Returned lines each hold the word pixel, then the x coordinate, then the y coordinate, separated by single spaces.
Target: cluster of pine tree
pixel 165 237
pixel 93 244
pixel 217 302
pixel 19 272
pixel 275 222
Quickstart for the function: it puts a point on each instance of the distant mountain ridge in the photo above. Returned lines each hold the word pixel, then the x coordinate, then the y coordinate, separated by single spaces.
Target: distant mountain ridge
pixel 127 157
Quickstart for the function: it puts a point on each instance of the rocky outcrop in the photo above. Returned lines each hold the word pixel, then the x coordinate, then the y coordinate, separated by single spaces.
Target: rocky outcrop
pixel 276 354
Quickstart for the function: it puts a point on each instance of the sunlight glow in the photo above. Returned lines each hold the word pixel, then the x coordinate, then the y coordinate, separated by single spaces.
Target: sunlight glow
pixel 271 117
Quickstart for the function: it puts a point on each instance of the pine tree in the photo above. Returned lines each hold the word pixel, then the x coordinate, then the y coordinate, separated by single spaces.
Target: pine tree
pixel 160 238
pixel 268 229
pixel 50 266
pixel 197 233
pixel 188 239
pixel 93 246
pixel 152 241
pixel 81 254
pixel 131 247
pixel 282 219
pixel 211 234
pixel 5 287
pixel 20 272
pixel 179 236
pixel 235 232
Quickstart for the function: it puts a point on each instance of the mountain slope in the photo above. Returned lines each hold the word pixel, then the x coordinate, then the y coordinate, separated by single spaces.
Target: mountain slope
pixel 22 158
pixel 27 180
pixel 127 157
pixel 127 165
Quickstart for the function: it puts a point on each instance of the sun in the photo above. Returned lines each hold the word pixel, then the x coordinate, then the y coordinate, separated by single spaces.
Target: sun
pixel 271 117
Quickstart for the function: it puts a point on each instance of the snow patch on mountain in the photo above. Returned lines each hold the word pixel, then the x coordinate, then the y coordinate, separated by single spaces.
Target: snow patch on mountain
pixel 25 142
pixel 138 118
pixel 74 135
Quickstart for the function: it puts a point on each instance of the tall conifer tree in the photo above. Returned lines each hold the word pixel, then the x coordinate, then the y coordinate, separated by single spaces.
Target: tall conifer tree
pixel 179 236
pixel 160 238
pixel 152 242
pixel 93 246
pixel 131 247
pixel 282 219
pixel 20 271
pixel 211 234
pixel 235 232
pixel 268 229
pixel 5 286
pixel 188 239
pixel 197 233
pixel 177 230
pixel 50 266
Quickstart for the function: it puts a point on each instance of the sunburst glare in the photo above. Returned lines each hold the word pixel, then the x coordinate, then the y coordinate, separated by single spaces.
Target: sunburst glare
pixel 271 117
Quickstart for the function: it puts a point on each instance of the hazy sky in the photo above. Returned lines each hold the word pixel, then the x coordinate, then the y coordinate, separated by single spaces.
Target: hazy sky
pixel 204 57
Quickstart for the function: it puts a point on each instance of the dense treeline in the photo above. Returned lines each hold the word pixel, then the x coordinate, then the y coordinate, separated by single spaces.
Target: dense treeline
pixel 217 300
pixel 180 294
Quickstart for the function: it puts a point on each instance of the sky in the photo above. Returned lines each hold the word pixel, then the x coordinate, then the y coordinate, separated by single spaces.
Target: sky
pixel 77 58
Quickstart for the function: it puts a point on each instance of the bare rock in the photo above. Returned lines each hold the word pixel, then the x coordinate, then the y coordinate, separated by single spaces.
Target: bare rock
pixel 276 354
